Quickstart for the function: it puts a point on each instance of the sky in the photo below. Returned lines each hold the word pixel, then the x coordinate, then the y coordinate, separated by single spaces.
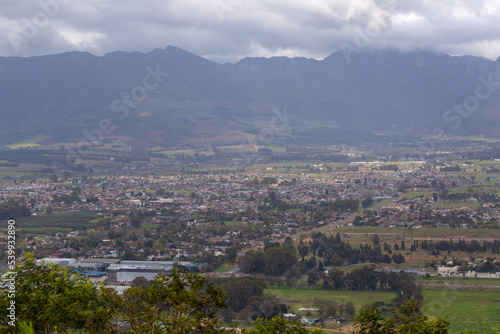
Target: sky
pixel 229 30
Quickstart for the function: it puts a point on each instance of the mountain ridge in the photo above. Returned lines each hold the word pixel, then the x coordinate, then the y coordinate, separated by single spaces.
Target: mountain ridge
pixel 386 91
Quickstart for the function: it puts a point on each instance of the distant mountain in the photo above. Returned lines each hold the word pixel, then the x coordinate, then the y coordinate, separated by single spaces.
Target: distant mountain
pixel 62 98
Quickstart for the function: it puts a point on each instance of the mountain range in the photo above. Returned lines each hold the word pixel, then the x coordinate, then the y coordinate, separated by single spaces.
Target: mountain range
pixel 170 96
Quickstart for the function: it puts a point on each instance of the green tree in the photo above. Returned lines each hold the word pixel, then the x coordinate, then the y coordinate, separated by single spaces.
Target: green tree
pixel 279 325
pixel 367 202
pixel 293 274
pixel 55 300
pixel 252 261
pixel 279 259
pixel 141 281
pixel 408 319
pixel 177 303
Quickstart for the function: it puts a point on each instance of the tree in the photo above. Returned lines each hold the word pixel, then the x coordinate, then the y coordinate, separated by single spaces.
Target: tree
pixel 313 278
pixel 240 290
pixel 303 250
pixel 55 300
pixel 322 305
pixel 252 261
pixel 408 319
pixel 279 259
pixel 367 202
pixel 267 306
pixel 279 325
pixel 176 303
pixel 52 299
pixel 12 209
pixel 349 309
pixel 293 274
pixel 141 281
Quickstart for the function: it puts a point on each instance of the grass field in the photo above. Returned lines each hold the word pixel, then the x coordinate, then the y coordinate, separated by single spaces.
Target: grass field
pixel 466 309
pixel 222 269
pixel 232 223
pixel 464 281
pixel 411 194
pixel 452 204
pixel 148 225
pixel 303 297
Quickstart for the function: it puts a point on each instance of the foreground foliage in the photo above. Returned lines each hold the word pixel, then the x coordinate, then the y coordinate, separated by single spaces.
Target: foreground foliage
pixel 52 299
pixel 279 325
pixel 408 319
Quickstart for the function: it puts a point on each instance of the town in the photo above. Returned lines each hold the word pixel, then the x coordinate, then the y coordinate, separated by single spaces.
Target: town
pixel 428 220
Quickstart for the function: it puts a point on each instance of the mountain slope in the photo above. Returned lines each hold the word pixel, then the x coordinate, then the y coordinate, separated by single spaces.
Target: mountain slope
pixel 62 96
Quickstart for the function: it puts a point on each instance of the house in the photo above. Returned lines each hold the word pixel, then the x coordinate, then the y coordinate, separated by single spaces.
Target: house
pixel 447 271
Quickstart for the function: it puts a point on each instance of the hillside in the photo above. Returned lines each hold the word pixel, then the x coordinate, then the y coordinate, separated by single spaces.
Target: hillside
pixel 384 95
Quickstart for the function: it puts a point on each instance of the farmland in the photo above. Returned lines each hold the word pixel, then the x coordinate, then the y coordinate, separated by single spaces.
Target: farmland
pixel 465 308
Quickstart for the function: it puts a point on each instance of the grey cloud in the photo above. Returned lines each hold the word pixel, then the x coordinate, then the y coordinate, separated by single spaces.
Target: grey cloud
pixel 228 30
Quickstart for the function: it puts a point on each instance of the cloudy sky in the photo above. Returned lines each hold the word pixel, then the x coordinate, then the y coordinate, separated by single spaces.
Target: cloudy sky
pixel 228 30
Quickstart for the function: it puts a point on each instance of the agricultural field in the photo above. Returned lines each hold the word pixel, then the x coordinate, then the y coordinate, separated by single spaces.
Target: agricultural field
pixel 59 222
pixel 303 297
pixel 465 308
pixel 364 233
pixel 29 143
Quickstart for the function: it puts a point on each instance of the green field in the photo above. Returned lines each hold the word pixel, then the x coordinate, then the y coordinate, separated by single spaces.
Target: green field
pixel 222 269
pixel 463 281
pixel 232 223
pixel 303 297
pixel 60 222
pixel 148 225
pixel 466 309
pixel 415 193
pixel 452 204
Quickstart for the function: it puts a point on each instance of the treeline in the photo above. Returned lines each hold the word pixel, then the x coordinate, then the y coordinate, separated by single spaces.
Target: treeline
pixel 247 301
pixel 272 261
pixel 450 169
pixel 487 154
pixel 13 209
pixel 326 251
pixel 483 197
pixel 369 279
pixel 336 252
pixel 461 246
pixel 389 167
